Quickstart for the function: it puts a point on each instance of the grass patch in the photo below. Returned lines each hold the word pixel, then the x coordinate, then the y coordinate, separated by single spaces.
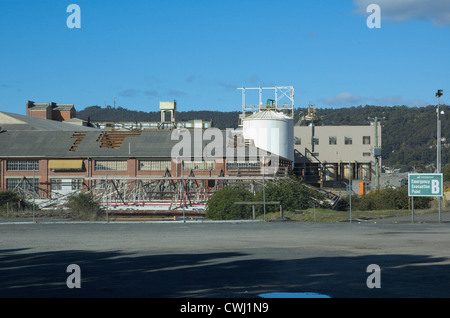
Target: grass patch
pixel 328 215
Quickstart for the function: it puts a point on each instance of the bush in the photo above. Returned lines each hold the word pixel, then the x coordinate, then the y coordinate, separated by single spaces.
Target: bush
pixel 292 194
pixel 84 206
pixel 12 201
pixel 220 205
pixel 389 199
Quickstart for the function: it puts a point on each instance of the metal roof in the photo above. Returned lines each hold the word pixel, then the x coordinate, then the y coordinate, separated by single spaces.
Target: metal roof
pixel 30 137
pixel 10 121
pixel 88 144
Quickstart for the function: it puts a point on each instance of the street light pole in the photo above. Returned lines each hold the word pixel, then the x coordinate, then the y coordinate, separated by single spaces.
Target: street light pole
pixel 106 194
pixel 438 144
pixel 264 186
pixel 34 196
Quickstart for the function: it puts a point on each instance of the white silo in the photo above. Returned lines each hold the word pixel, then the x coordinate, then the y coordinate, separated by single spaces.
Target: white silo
pixel 271 131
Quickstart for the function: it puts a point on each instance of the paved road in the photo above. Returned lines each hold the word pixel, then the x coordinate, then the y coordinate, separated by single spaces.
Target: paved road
pixel 211 260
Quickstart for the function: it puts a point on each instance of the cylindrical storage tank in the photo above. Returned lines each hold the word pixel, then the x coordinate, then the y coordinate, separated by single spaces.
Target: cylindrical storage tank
pixel 271 131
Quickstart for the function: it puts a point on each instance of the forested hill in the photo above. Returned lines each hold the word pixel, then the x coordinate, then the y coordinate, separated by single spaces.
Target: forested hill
pixel 408 133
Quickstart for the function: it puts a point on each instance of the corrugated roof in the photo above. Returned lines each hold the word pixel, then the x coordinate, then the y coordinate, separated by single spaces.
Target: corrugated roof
pixel 10 121
pixel 149 144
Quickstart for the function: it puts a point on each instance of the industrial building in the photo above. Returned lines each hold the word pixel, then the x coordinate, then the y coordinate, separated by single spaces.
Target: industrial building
pixel 331 156
pixel 50 154
pixel 49 159
pixel 52 111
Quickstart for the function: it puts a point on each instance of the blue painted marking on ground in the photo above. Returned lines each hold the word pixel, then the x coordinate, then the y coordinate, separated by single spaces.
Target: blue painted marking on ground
pixel 293 295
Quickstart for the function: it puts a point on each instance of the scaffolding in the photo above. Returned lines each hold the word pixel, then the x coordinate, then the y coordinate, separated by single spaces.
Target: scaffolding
pixel 146 193
pixel 166 192
pixel 283 101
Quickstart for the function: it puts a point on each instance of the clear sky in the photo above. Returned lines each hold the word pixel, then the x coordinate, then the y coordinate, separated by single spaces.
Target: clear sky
pixel 199 51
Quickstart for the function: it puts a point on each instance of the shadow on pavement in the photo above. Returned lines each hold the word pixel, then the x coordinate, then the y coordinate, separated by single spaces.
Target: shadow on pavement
pixel 216 275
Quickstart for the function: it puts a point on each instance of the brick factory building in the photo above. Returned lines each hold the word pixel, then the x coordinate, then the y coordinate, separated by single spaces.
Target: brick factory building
pixel 52 159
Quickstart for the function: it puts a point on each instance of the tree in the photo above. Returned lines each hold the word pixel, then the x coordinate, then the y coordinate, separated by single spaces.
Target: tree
pixel 292 194
pixel 446 173
pixel 220 205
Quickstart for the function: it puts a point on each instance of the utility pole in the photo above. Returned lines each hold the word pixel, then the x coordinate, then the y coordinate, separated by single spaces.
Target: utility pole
pixel 106 194
pixel 438 144
pixel 34 196
pixel 376 154
pixel 377 158
pixel 183 191
pixel 264 188
pixel 350 187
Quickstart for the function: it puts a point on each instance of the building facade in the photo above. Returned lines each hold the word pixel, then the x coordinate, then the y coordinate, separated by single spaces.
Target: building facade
pixel 330 156
pixel 51 111
pixel 50 159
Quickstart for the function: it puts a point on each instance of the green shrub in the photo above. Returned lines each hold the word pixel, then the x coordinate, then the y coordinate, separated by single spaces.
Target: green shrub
pixel 220 205
pixel 389 199
pixel 12 201
pixel 292 194
pixel 84 206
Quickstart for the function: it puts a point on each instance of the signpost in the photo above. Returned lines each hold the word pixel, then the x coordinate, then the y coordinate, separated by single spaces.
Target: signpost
pixel 425 185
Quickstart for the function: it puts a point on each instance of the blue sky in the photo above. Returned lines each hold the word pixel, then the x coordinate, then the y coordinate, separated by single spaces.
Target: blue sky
pixel 198 52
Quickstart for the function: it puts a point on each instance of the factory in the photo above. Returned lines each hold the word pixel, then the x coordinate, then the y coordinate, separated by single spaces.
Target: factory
pixel 137 168
pixel 333 157
pixel 49 154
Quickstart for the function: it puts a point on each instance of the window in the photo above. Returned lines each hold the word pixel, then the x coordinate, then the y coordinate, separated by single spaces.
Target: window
pixel 297 140
pixel 315 140
pixel 366 140
pixel 243 165
pixel 56 184
pixel 77 184
pixel 199 165
pixel 23 165
pixel 332 140
pixel 154 165
pixel 367 154
pixel 26 184
pixel 111 165
pixel 348 140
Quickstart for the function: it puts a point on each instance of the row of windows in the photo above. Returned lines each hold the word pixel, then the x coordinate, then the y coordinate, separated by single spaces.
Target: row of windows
pixel 26 184
pixel 243 164
pixel 148 165
pixel 110 165
pixel 22 165
pixel 75 184
pixel 365 154
pixel 332 140
pixel 144 165
pixel 199 165
pixel 152 165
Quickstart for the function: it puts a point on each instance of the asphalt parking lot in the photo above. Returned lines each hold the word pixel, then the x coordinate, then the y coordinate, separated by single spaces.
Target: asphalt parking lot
pixel 231 260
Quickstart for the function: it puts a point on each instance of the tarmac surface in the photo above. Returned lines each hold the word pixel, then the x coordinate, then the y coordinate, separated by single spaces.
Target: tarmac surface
pixel 225 259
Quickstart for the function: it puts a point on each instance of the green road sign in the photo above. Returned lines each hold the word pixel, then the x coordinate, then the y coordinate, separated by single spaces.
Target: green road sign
pixel 425 185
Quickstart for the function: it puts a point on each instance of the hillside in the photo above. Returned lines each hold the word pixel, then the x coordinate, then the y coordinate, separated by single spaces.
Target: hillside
pixel 408 133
